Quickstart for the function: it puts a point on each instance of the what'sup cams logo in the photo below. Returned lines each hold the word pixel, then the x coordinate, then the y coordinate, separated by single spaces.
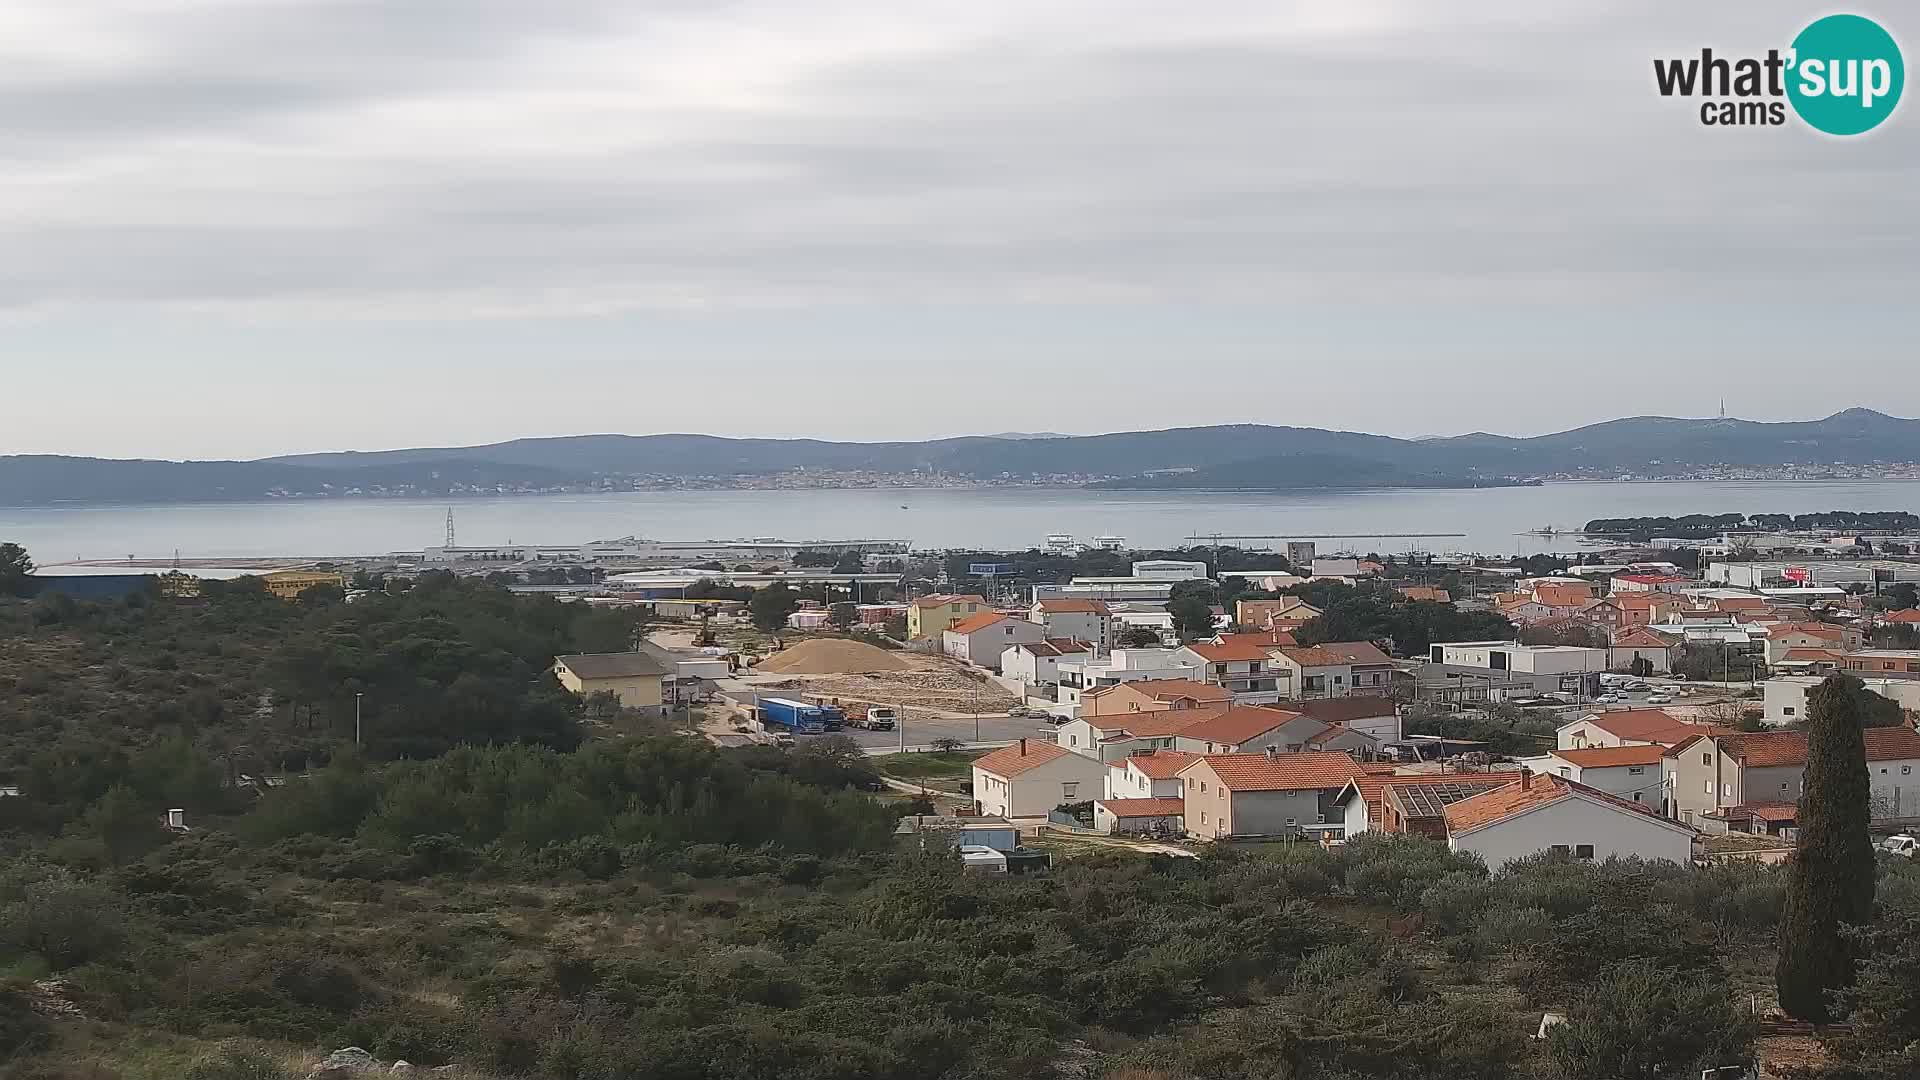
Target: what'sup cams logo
pixel 1842 75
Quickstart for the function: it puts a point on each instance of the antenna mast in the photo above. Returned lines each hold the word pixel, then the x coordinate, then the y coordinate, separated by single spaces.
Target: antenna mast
pixel 450 526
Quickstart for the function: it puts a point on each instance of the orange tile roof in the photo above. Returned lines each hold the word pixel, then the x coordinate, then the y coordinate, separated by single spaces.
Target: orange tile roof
pixel 1740 603
pixel 1632 723
pixel 1803 652
pixel 1904 615
pixel 1562 595
pixel 1336 653
pixel 1372 786
pixel 1629 600
pixel 1027 754
pixel 975 623
pixel 1168 689
pixel 1768 749
pixel 1067 606
pixel 1314 769
pixel 1170 806
pixel 1235 726
pixel 1263 640
pixel 1426 592
pixel 1156 724
pixel 1235 651
pixel 1607 757
pixel 1158 764
pixel 1529 793
pixel 1819 630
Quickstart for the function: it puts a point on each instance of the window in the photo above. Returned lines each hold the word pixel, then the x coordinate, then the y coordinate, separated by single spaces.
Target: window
pixel 1709 787
pixel 1338 679
pixel 1566 772
pixel 1726 791
pixel 1783 785
pixel 1706 759
pixel 1786 710
pixel 1203 817
pixel 1583 851
pixel 1069 790
pixel 1560 849
pixel 1636 770
pixel 1072 740
pixel 1290 823
pixel 1636 796
pixel 1203 787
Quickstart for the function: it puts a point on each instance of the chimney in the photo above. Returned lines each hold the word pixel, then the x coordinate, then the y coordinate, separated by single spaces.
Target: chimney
pixel 1023 747
pixel 1526 779
pixel 1273 753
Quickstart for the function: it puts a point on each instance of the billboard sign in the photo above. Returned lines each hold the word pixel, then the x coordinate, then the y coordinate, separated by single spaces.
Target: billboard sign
pixel 990 569
pixel 1796 573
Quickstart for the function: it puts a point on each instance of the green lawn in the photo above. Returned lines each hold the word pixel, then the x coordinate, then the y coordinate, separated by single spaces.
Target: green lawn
pixel 954 766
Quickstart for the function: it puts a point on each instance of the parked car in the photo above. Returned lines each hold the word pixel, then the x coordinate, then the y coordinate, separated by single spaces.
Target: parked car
pixel 1901 844
pixel 1659 699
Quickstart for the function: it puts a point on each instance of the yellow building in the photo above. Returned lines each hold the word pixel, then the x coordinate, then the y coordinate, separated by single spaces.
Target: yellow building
pixel 636 678
pixel 930 616
pixel 289 584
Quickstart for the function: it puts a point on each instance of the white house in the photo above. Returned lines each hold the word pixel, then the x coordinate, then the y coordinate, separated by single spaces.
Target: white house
pixel 1527 659
pixel 1031 777
pixel 1084 675
pixel 1123 816
pixel 1090 621
pixel 1238 666
pixel 1551 813
pixel 1147 774
pixel 1624 727
pixel 1114 737
pixel 1634 644
pixel 1332 669
pixel 1259 730
pixel 1634 773
pixel 982 639
pixel 1037 663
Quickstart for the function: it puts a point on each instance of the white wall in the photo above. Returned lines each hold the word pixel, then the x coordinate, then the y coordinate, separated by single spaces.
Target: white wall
pixel 1034 792
pixel 1574 821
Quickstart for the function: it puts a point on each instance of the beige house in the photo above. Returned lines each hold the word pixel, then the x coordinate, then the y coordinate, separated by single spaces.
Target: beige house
pixel 928 616
pixel 1031 777
pixel 1257 729
pixel 636 678
pixel 1264 794
pixel 1333 669
pixel 1151 695
pixel 1713 774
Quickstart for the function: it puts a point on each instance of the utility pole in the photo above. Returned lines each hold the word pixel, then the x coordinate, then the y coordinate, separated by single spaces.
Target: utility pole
pixel 356 719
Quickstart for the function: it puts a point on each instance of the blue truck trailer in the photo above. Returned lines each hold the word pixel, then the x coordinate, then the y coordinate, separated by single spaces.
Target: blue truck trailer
pixel 799 717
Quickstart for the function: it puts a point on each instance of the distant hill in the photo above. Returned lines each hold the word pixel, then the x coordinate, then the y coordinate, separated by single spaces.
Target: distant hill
pixel 1229 457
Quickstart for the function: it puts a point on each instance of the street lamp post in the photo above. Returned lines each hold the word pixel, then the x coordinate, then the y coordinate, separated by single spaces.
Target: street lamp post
pixel 356 718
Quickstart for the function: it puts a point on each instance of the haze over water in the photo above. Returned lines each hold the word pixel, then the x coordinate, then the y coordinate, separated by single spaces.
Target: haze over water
pixel 1494 520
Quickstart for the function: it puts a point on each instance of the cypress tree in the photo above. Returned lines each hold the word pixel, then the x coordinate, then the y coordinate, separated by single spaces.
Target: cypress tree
pixel 1830 879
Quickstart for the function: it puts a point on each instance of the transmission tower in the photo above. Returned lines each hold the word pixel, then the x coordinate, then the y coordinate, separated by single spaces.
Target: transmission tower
pixel 450 526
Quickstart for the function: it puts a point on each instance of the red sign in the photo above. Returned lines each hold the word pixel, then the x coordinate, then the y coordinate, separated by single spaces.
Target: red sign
pixel 1796 573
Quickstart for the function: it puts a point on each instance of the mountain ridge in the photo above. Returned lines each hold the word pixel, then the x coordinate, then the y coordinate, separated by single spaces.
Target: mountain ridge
pixel 1227 456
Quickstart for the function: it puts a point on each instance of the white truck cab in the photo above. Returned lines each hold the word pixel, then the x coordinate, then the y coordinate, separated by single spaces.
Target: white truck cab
pixel 1904 845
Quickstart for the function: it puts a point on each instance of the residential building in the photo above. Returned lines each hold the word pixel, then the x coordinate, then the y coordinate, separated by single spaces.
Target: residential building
pixel 1037 663
pixel 1151 695
pixel 1080 677
pixel 929 616
pixel 1262 614
pixel 1147 774
pixel 1785 637
pixel 1713 772
pixel 1116 737
pixel 1079 620
pixel 1415 803
pixel 1635 772
pixel 1031 777
pixel 1634 644
pixel 289 584
pixel 1885 662
pixel 1426 593
pixel 636 678
pixel 1373 715
pixel 1333 669
pixel 1784 697
pixel 1336 567
pixel 1552 813
pixel 1264 794
pixel 982 639
pixel 1248 730
pixel 1821 662
pixel 1118 817
pixel 1626 727
pixel 1242 668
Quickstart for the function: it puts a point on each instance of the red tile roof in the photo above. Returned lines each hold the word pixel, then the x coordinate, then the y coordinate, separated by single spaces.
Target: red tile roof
pixel 1767 749
pixel 1169 689
pixel 1562 595
pixel 1652 579
pixel 1158 764
pixel 1155 724
pixel 1819 630
pixel 1803 652
pixel 1066 606
pixel 1171 806
pixel 1234 651
pixel 1649 725
pixel 1529 793
pixel 1607 757
pixel 1775 812
pixel 1235 726
pixel 1642 638
pixel 1282 772
pixel 1027 754
pixel 1337 653
pixel 1426 592
pixel 1740 603
pixel 1904 615
pixel 975 623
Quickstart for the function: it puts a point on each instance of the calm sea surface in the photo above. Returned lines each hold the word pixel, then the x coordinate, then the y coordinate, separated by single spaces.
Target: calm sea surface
pixel 1493 520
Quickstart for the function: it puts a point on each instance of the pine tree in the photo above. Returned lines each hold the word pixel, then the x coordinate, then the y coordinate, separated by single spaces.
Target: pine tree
pixel 1830 880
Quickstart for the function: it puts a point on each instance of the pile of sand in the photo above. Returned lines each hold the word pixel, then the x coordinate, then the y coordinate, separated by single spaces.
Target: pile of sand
pixel 831 656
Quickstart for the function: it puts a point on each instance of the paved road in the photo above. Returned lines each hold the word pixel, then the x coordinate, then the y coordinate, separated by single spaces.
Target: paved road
pixel 993 730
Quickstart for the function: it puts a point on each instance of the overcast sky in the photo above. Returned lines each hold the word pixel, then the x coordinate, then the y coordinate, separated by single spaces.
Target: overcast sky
pixel 245 227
